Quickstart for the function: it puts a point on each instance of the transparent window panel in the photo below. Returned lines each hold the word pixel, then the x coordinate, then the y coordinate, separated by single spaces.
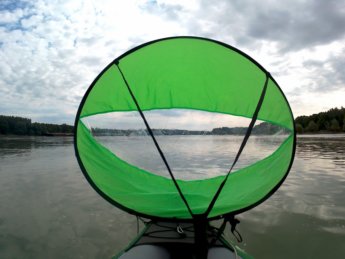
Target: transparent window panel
pixel 196 144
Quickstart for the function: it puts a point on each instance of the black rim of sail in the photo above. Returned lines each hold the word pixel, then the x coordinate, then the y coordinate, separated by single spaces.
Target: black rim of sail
pixel 131 211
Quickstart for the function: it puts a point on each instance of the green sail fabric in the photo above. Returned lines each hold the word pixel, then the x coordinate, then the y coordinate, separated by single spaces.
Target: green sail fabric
pixel 189 73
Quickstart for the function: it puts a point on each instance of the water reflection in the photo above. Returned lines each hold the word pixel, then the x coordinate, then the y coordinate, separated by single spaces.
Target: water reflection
pixel 305 217
pixel 48 210
pixel 22 144
pixel 191 157
pixel 322 146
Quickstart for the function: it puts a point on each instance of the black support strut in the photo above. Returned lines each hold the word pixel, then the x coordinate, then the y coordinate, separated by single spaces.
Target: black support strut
pixel 200 235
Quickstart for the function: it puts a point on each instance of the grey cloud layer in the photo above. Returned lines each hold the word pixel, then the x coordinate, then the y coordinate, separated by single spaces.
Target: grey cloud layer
pixel 301 25
pixel 329 74
pixel 294 26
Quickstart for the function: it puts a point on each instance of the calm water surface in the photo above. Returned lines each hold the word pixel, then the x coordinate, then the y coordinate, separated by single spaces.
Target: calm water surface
pixel 48 210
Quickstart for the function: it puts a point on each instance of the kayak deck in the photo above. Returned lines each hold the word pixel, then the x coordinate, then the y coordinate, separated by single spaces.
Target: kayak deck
pixel 176 240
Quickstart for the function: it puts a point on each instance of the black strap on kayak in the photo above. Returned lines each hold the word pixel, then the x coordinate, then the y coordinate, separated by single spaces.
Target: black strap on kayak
pixel 200 235
pixel 153 138
pixel 233 223
pixel 244 142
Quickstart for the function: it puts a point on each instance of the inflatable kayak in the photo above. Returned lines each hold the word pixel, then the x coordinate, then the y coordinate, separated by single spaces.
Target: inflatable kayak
pixel 160 240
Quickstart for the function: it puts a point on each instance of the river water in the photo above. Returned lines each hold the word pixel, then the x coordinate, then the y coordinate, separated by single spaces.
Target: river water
pixel 48 210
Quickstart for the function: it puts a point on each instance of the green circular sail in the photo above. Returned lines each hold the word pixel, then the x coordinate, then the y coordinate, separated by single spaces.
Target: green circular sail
pixel 184 73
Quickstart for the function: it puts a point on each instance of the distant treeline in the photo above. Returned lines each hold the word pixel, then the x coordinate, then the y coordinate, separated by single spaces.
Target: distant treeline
pixel 11 125
pixel 261 129
pixel 331 121
pixel 144 132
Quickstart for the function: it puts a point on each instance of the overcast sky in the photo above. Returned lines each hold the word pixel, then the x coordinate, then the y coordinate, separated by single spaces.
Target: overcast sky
pixel 51 50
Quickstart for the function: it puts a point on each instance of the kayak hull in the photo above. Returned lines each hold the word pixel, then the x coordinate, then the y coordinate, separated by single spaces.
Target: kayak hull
pixel 160 240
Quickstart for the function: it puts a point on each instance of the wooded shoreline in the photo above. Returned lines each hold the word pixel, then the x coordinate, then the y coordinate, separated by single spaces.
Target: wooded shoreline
pixel 13 125
pixel 329 122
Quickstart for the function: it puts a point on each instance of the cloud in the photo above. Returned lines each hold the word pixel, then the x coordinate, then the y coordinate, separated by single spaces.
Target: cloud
pixel 52 50
pixel 319 83
pixel 327 74
pixel 300 24
pixel 7 17
pixel 295 26
pixel 171 11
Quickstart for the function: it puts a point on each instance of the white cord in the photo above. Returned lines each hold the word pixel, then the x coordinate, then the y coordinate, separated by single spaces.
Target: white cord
pixel 233 247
